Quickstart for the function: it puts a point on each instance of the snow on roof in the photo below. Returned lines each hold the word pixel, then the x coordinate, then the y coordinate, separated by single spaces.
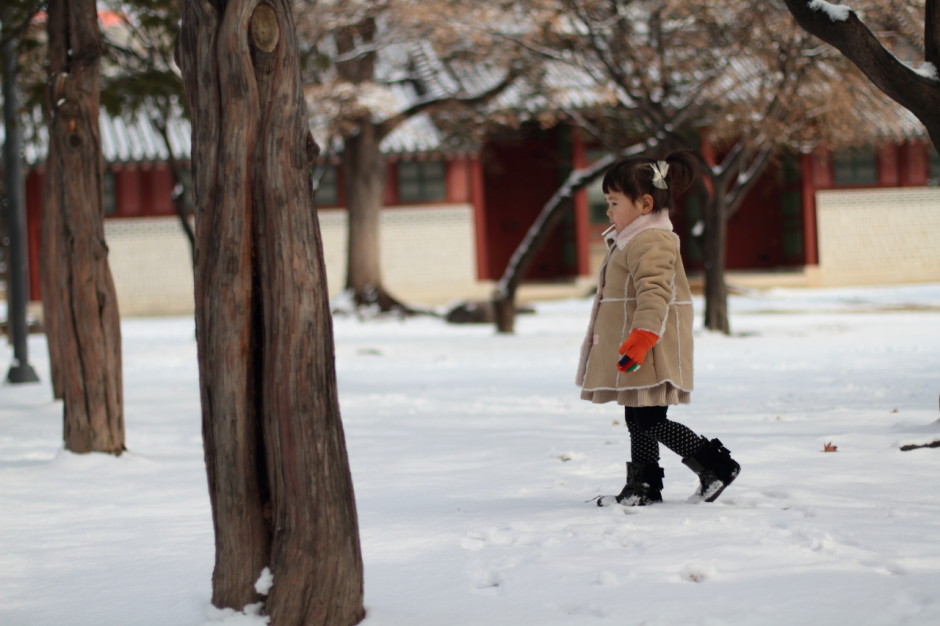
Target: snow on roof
pixel 134 139
pixel 126 139
pixel 416 135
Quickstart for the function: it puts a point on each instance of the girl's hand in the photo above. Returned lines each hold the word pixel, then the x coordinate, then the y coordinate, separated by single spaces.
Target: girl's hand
pixel 634 349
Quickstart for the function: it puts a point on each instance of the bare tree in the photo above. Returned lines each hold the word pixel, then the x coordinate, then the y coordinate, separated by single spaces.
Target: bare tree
pixel 279 479
pixel 665 66
pixel 368 54
pixel 725 76
pixel 916 89
pixel 79 302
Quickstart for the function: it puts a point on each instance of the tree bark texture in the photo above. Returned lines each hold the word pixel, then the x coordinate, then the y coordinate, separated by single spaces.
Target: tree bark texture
pixel 279 479
pixel 79 300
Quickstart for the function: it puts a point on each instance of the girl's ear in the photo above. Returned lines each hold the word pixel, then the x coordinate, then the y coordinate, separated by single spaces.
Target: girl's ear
pixel 646 203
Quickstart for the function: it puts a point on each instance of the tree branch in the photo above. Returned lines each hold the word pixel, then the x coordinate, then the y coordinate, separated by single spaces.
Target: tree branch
pixel 746 180
pixel 932 33
pixel 15 30
pixel 550 213
pixel 915 92
pixel 426 105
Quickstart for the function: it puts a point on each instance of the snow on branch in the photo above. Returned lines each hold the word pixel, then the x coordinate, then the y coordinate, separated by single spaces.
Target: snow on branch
pixel 928 70
pixel 836 12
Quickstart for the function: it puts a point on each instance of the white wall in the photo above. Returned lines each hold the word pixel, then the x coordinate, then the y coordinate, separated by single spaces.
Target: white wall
pixel 428 257
pixel 151 265
pixel 428 253
pixel 876 236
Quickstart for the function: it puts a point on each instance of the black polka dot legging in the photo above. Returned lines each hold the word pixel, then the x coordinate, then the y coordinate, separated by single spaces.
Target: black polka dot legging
pixel 649 427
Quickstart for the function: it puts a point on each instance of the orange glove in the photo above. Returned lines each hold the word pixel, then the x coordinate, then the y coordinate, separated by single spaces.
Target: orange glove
pixel 634 349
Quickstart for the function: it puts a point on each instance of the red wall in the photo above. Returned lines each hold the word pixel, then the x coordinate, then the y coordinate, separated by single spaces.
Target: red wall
pixel 520 174
pixel 34 182
pixel 140 191
pixel 754 237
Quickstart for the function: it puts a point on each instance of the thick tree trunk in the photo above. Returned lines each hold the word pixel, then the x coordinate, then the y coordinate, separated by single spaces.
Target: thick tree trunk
pixel 365 185
pixel 365 188
pixel 51 246
pixel 53 313
pixel 80 305
pixel 279 479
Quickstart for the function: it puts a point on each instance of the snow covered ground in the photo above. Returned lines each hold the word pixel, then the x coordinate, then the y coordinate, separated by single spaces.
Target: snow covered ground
pixel 473 459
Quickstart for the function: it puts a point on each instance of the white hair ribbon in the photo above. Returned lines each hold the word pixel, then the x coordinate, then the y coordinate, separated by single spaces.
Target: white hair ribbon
pixel 659 174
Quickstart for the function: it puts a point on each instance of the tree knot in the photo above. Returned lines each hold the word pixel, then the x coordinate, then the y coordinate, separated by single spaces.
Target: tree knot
pixel 265 31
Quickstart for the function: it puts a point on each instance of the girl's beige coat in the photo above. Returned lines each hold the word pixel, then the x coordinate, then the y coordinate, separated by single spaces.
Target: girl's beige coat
pixel 642 285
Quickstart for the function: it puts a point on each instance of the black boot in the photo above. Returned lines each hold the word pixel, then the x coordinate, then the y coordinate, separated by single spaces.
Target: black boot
pixel 644 486
pixel 715 468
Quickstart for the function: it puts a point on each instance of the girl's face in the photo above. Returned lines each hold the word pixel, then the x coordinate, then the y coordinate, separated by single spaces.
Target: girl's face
pixel 622 211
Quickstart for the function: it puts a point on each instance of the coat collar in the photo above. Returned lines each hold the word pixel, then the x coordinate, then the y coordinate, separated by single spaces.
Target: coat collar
pixel 652 221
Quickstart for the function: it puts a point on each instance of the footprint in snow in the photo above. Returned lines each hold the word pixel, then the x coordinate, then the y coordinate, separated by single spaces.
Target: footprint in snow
pixel 697 572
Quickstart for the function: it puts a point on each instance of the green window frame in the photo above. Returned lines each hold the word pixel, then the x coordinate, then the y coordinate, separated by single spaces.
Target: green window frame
pixel 421 181
pixel 855 168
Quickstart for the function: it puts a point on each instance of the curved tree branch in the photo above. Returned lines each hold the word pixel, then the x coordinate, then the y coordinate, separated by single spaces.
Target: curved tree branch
pixel 504 294
pixel 916 92
pixel 428 105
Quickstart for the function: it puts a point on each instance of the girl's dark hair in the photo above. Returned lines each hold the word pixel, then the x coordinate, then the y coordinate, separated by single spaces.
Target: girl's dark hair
pixel 633 177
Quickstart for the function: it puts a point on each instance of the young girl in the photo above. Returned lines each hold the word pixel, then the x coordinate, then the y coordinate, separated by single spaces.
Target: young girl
pixel 638 349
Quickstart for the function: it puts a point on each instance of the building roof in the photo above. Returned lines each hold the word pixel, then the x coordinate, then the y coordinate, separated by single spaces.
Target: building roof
pixel 126 139
pixel 133 138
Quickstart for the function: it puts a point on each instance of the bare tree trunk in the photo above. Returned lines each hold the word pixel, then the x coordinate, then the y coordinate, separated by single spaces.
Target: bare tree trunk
pixel 365 184
pixel 53 315
pixel 364 165
pixel 745 167
pixel 80 305
pixel 51 246
pixel 716 290
pixel 279 479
